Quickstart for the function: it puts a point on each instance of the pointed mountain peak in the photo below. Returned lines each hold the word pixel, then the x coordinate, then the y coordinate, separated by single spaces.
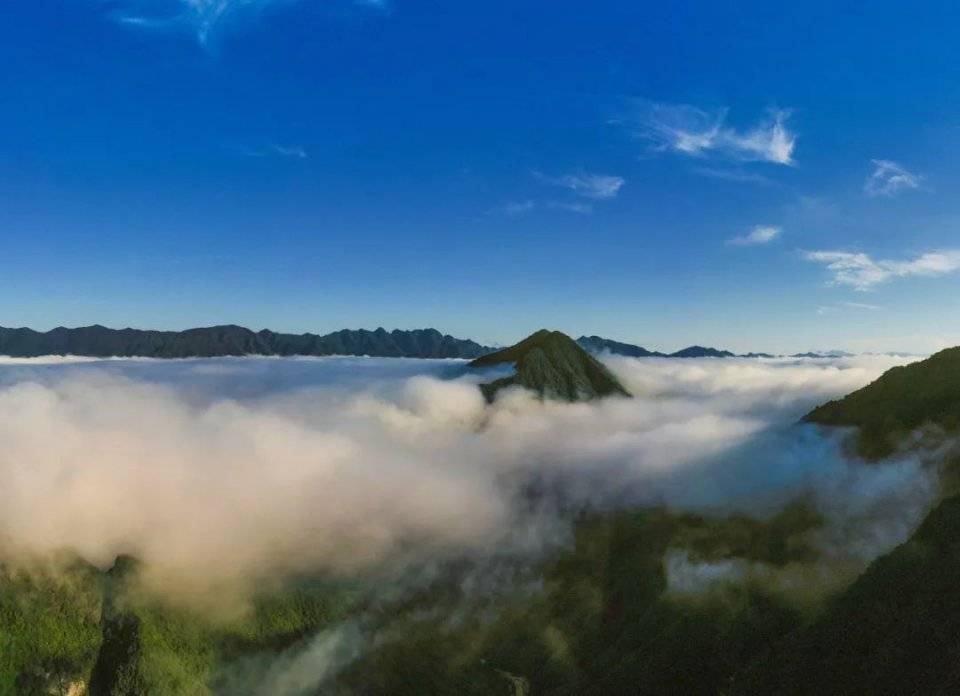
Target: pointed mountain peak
pixel 554 366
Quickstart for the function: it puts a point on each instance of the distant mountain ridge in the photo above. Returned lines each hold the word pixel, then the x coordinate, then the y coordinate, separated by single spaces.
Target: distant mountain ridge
pixel 230 340
pixel 598 344
pixel 824 354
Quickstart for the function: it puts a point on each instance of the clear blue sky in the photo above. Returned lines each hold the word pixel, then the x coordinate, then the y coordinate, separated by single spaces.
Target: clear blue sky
pixel 747 175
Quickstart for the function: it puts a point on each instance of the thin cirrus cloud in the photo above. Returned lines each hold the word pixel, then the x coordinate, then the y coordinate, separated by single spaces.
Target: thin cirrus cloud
pixel 735 174
pixel 599 187
pixel 889 178
pixel 274 150
pixel 862 272
pixel 202 18
pixel 857 306
pixel 696 132
pixel 515 209
pixel 586 189
pixel 760 234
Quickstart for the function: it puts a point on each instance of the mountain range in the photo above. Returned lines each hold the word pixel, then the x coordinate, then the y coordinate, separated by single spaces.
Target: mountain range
pixel 217 341
pixel 231 340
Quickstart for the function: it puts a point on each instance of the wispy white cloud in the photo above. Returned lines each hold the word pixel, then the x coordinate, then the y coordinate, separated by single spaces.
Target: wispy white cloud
pixel 586 188
pixel 574 207
pixel 595 186
pixel 516 208
pixel 889 178
pixel 836 308
pixel 861 272
pixel 274 150
pixel 199 17
pixel 696 132
pixel 521 208
pixel 202 18
pixel 760 234
pixel 733 174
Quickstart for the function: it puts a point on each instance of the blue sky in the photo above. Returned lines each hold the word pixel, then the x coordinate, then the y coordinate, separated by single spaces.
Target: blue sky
pixel 755 177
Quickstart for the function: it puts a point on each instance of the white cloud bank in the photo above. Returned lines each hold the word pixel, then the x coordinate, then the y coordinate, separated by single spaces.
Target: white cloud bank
pixel 352 474
pixel 760 234
pixel 889 178
pixel 862 272
pixel 691 131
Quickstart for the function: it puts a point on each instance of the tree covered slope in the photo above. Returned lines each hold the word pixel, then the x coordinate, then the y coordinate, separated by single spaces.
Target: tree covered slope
pixel 551 364
pixel 894 631
pixel 900 401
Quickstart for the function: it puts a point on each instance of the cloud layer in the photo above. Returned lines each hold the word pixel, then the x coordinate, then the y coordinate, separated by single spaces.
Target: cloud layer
pixel 222 474
pixel 695 132
pixel 862 272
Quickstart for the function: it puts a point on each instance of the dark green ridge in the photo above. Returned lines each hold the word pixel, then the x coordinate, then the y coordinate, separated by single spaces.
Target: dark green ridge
pixel 903 399
pixel 551 364
pixel 230 340
pixel 894 631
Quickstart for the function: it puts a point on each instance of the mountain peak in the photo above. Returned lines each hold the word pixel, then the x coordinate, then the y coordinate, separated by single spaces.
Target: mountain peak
pixel 554 366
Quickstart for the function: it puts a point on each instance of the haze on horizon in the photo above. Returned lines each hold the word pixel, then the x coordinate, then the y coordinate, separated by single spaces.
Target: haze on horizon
pixel 628 170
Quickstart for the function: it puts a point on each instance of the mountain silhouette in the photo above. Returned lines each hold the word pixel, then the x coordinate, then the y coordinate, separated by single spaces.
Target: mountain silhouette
pixel 230 340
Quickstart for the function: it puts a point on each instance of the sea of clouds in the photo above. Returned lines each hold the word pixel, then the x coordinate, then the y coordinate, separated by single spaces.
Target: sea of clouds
pixel 222 474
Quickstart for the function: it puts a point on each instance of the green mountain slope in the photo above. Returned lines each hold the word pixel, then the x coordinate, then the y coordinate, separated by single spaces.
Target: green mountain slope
pixel 49 627
pixel 554 366
pixel 894 631
pixel 600 622
pixel 901 400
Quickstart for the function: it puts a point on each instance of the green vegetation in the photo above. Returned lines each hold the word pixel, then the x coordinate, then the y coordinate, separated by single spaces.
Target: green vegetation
pixel 151 646
pixel 594 619
pixel 894 631
pixel 49 627
pixel 73 623
pixel 551 364
pixel 903 399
